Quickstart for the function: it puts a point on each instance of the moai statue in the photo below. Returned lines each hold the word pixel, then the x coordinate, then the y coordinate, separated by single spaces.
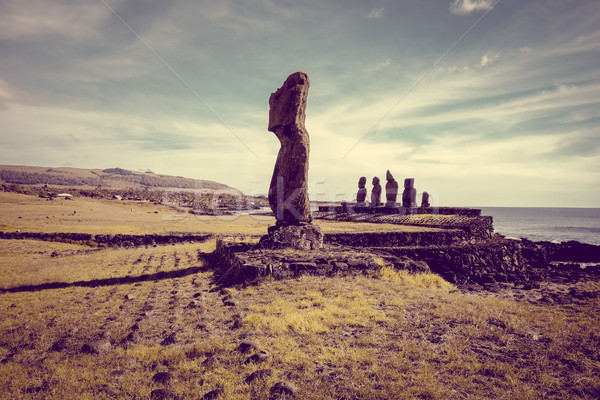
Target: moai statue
pixel 391 190
pixel 409 196
pixel 288 191
pixel 376 193
pixel 425 200
pixel 361 196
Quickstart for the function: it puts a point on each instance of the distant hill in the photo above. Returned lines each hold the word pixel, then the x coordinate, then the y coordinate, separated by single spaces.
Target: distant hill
pixel 110 178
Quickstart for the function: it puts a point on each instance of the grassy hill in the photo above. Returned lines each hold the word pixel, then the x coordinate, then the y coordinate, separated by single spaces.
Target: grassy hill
pixel 110 178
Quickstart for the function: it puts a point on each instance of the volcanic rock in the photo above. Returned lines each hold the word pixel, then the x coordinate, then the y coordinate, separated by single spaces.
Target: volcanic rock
pixel 288 192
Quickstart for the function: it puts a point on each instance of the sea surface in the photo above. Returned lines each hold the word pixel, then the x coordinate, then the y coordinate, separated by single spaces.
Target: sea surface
pixel 549 224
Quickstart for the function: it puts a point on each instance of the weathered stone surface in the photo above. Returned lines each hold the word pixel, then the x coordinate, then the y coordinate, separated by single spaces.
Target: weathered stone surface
pixel 99 346
pixel 259 357
pixel 376 193
pixel 160 394
pixel 60 345
pixel 247 346
pixel 335 211
pixel 162 377
pixel 259 374
pixel 301 237
pixel 425 200
pixel 288 192
pixel 283 390
pixel 409 196
pixel 566 251
pixel 213 394
pixel 391 190
pixel 361 196
pixel 106 240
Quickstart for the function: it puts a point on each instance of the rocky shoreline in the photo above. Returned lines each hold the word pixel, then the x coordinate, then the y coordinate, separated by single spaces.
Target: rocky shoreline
pixel 557 273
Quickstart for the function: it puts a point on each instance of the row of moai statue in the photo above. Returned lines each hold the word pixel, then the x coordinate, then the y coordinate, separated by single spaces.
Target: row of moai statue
pixel 409 196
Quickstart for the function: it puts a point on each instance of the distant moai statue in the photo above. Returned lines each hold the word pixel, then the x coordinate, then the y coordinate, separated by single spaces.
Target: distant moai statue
pixel 409 196
pixel 376 193
pixel 425 200
pixel 361 196
pixel 391 190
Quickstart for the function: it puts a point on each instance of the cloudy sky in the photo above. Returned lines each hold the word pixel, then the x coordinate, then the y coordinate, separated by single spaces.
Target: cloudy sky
pixel 483 102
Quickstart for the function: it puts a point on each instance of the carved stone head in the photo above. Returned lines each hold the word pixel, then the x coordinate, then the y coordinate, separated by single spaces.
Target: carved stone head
pixel 362 181
pixel 288 103
pixel 388 176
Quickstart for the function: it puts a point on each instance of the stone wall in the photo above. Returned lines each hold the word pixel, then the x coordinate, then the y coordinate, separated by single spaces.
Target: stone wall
pixel 237 262
pixel 350 208
pixel 476 227
pixel 397 239
pixel 106 240
pixel 498 260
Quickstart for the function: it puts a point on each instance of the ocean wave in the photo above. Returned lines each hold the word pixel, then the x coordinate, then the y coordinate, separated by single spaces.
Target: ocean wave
pixel 587 229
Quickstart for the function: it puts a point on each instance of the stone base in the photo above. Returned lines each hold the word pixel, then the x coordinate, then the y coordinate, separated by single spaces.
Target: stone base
pixel 300 237
pixel 391 204
pixel 494 260
pixel 339 208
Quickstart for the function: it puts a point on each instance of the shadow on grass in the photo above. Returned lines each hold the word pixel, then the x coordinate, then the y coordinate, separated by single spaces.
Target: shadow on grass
pixel 157 276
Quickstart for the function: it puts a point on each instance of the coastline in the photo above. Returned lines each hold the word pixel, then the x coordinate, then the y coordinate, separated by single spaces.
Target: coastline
pixel 551 224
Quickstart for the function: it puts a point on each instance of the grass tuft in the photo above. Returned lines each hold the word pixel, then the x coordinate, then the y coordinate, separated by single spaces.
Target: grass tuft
pixel 423 280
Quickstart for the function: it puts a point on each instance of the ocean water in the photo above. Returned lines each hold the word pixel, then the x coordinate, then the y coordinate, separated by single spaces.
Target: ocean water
pixel 550 224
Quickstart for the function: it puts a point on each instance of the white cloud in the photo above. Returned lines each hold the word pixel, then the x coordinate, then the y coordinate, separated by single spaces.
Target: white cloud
pixel 376 12
pixel 475 126
pixel 94 139
pixel 464 7
pixel 10 94
pixel 525 50
pixel 41 17
pixel 381 65
pixel 481 125
pixel 488 58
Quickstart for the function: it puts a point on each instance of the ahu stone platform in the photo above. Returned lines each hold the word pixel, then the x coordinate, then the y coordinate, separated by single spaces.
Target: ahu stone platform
pixel 461 248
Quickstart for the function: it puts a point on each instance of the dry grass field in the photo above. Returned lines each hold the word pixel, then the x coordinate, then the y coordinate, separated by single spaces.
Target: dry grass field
pixel 152 322
pixel 85 215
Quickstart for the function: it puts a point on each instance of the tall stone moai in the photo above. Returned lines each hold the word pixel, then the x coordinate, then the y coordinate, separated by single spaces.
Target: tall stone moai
pixel 409 196
pixel 376 193
pixel 425 200
pixel 288 192
pixel 391 190
pixel 361 196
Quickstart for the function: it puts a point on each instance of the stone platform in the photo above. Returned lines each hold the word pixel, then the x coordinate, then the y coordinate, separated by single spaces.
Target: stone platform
pixel 456 260
pixel 467 220
pixel 461 248
pixel 353 208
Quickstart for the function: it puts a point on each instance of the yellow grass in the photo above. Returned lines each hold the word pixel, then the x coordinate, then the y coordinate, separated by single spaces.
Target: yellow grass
pixel 389 335
pixel 83 215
